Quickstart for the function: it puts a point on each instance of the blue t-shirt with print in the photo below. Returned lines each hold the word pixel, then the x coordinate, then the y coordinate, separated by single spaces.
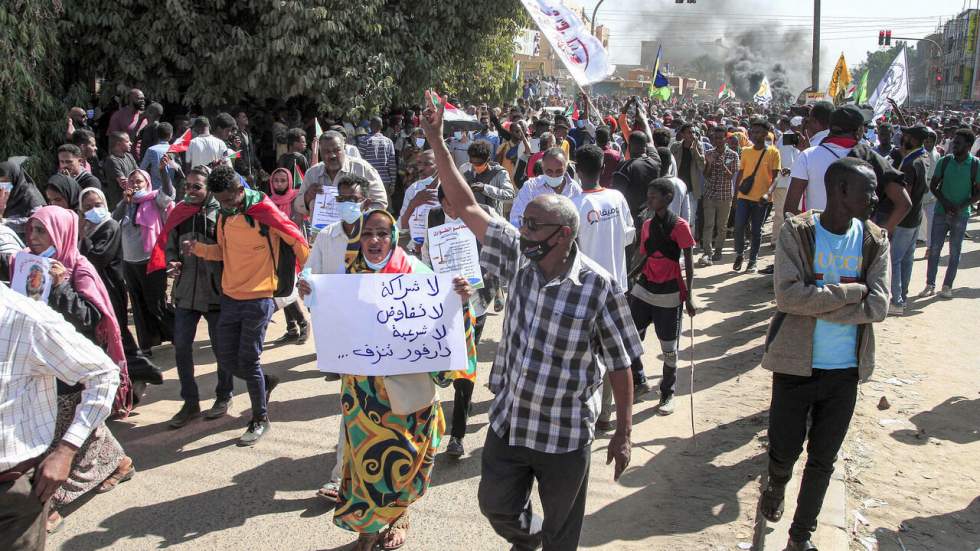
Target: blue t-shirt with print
pixel 837 259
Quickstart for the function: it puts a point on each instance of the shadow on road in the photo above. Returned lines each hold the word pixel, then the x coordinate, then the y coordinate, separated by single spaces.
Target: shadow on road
pixel 957 530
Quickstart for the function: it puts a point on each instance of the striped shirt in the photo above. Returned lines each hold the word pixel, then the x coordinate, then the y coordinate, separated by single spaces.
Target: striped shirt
pixel 547 374
pixel 379 151
pixel 37 347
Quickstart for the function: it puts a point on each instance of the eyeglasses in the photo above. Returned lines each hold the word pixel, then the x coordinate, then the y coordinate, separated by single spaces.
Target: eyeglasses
pixel 382 235
pixel 533 225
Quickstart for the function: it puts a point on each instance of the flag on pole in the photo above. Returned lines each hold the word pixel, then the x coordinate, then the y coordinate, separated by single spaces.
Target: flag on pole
pixel 317 131
pixel 580 51
pixel 455 117
pixel 764 94
pixel 662 93
pixel 894 85
pixel 572 111
pixel 297 176
pixel 181 144
pixel 656 64
pixel 726 92
pixel 861 94
pixel 839 81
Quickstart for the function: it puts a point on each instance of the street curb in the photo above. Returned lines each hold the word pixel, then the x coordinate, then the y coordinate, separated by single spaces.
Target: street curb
pixel 831 533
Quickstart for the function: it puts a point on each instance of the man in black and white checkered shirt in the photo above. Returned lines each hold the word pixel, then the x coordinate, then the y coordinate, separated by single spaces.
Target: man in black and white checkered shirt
pixel 567 324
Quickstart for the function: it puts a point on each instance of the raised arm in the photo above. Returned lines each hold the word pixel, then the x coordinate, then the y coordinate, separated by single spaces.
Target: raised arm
pixel 453 184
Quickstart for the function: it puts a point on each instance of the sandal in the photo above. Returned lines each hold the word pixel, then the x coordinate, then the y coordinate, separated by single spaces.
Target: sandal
pixel 55 522
pixel 397 528
pixel 330 491
pixel 365 542
pixel 771 502
pixel 125 471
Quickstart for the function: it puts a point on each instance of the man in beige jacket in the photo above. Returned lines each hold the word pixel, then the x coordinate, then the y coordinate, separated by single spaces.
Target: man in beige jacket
pixel 832 284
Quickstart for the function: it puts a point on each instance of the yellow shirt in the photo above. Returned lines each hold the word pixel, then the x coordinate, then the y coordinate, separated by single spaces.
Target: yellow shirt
pixel 768 169
pixel 249 269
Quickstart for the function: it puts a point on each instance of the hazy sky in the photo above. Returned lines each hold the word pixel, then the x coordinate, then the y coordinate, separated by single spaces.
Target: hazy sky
pixel 850 26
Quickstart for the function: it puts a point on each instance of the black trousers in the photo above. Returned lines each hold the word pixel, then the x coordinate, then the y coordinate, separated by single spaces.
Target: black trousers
pixel 148 296
pixel 507 477
pixel 667 324
pixel 828 397
pixel 463 399
pixel 294 317
pixel 22 516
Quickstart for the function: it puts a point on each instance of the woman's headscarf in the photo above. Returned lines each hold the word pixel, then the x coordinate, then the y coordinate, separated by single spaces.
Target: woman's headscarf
pixel 68 188
pixel 398 262
pixel 81 197
pixel 24 196
pixel 148 217
pixel 62 225
pixel 283 200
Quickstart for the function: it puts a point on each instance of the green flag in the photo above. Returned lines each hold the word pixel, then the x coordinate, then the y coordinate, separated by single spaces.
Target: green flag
pixel 861 96
pixel 662 93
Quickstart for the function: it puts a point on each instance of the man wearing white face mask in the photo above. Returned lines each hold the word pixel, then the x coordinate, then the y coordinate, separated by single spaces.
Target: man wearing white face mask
pixel 554 180
pixel 459 143
pixel 334 249
pixel 420 197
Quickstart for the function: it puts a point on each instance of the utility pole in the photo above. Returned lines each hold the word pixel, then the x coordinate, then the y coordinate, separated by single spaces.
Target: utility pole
pixel 594 12
pixel 815 71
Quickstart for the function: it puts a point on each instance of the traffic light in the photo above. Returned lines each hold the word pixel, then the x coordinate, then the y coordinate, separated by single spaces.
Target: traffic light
pixel 881 38
pixel 888 38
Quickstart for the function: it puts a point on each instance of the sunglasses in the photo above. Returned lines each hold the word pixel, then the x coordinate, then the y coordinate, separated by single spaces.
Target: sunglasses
pixel 533 225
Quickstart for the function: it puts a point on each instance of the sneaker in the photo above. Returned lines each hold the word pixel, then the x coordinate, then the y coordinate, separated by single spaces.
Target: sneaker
pixel 271 382
pixel 705 261
pixel 331 377
pixel 750 269
pixel 666 405
pixel 639 390
pixel 219 409
pixel 768 270
pixel 928 291
pixel 455 447
pixel 187 412
pixel 304 334
pixel 947 292
pixel 737 266
pixel 257 428
pixel 896 309
pixel 604 426
pixel 716 257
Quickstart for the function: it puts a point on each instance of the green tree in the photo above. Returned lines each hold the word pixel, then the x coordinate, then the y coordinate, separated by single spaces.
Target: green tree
pixel 30 82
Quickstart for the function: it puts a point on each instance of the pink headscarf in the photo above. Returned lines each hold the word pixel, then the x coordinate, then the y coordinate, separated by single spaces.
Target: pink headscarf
pixel 148 216
pixel 283 200
pixel 62 225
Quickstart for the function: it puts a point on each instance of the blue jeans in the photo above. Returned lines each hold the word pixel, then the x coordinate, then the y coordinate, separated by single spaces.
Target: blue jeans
pixel 744 211
pixel 185 327
pixel 902 255
pixel 942 224
pixel 240 332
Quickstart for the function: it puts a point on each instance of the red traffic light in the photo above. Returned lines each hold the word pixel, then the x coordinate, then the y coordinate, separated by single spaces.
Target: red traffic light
pixel 881 38
pixel 888 38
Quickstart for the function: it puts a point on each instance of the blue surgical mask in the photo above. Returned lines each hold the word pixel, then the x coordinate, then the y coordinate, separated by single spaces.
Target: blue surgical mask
pixel 580 123
pixel 49 252
pixel 6 186
pixel 97 214
pixel 379 265
pixel 554 181
pixel 349 211
pixel 420 142
pixel 140 194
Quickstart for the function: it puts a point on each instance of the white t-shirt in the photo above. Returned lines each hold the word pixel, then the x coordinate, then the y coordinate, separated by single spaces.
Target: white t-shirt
pixel 605 229
pixel 787 155
pixel 811 165
pixel 204 150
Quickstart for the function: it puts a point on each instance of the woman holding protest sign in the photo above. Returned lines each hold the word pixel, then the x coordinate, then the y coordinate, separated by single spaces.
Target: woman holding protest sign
pixel 393 424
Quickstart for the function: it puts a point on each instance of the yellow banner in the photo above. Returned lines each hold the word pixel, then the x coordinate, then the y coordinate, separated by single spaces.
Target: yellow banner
pixel 840 80
pixel 971 34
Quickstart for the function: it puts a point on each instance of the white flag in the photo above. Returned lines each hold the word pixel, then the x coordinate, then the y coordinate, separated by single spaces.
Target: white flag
pixel 764 95
pixel 894 85
pixel 582 53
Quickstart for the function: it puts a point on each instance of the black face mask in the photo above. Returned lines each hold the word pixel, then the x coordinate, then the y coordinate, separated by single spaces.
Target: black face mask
pixel 536 250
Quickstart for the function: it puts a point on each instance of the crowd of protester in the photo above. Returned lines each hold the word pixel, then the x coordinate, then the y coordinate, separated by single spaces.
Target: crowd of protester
pixel 592 220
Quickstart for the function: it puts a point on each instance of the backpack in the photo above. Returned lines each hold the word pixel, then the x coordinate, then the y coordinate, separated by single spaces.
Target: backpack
pixel 285 268
pixel 941 169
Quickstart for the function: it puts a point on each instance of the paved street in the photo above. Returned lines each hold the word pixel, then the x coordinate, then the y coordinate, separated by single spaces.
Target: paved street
pixel 196 490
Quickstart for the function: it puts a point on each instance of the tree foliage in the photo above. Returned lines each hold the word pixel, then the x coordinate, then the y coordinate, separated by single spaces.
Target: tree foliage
pixel 344 56
pixel 877 64
pixel 31 79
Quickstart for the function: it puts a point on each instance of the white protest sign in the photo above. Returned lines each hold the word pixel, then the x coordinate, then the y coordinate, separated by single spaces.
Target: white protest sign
pixel 453 250
pixel 580 51
pixel 387 324
pixel 31 276
pixel 325 208
pixel 418 222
